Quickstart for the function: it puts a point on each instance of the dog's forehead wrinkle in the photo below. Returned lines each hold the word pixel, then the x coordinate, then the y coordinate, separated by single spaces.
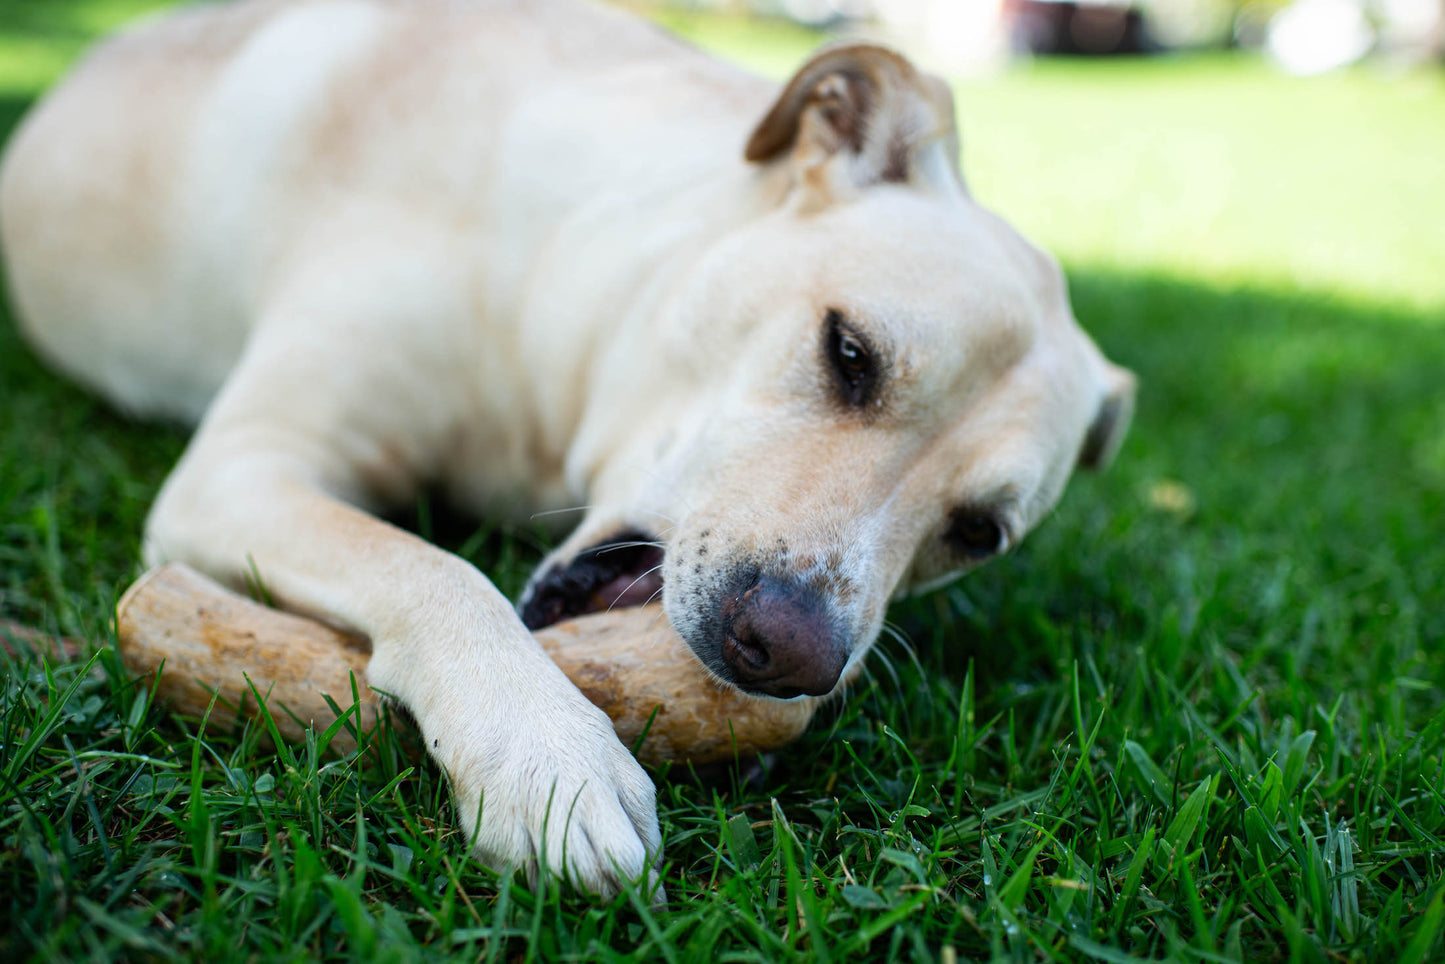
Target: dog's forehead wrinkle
pixel 944 242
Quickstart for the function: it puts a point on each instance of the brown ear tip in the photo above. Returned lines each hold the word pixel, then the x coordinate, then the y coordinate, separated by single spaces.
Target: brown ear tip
pixel 773 135
pixel 869 69
pixel 760 147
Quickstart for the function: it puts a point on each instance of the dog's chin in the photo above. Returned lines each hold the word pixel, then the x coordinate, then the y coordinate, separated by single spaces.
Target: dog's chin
pixel 622 571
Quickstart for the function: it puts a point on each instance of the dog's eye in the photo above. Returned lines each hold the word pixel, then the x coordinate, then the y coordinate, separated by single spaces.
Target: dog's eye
pixel 975 534
pixel 851 359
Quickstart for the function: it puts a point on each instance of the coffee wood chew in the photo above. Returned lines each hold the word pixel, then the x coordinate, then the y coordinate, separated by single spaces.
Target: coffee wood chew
pixel 205 640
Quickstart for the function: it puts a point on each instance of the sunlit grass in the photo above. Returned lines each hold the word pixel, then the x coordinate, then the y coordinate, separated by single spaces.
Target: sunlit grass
pixel 1219 169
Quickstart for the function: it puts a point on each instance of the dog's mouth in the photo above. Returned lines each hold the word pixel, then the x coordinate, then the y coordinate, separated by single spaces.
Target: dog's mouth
pixel 622 571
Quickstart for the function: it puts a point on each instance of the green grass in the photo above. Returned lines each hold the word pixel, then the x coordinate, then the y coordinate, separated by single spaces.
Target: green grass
pixel 1198 716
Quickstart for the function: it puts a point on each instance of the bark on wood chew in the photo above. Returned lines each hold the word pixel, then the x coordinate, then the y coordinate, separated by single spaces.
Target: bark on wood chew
pixel 628 662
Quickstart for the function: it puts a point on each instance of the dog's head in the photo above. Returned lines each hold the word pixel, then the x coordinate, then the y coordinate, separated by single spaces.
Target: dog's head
pixel 870 386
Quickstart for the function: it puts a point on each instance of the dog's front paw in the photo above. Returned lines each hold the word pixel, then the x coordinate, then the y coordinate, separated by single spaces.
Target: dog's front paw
pixel 552 789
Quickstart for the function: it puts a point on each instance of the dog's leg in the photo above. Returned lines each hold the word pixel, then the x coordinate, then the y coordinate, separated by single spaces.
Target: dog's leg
pixel 314 416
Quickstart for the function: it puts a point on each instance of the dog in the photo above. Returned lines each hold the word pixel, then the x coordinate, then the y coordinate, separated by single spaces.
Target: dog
pixel 540 254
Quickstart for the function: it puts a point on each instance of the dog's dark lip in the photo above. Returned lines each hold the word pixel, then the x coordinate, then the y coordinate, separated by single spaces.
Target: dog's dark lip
pixel 621 571
pixel 762 689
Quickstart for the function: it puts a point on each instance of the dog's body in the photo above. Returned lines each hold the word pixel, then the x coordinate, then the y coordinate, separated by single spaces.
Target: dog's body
pixel 515 249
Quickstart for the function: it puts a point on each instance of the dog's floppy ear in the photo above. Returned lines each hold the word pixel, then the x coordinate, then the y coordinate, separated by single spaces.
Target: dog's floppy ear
pixel 1111 419
pixel 860 114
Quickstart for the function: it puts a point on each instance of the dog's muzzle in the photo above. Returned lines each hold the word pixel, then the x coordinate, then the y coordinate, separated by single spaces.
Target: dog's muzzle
pixel 772 635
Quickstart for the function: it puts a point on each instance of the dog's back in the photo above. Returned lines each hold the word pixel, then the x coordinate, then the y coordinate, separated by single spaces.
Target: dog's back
pixel 146 203
pixel 90 218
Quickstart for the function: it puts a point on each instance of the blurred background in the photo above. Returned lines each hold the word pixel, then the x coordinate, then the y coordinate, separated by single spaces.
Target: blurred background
pixel 1294 143
pixel 1301 36
pixel 1291 143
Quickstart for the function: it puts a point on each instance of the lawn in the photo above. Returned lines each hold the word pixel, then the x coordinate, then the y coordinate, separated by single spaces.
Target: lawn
pixel 1198 716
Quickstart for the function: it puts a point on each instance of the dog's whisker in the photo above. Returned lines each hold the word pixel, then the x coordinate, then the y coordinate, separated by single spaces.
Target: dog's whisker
pixel 661 615
pixel 547 512
pixel 626 509
pixel 629 545
pixel 895 632
pixel 887 663
pixel 634 582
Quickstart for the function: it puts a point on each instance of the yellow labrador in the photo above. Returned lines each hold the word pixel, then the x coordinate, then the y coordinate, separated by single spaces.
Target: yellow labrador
pixel 539 254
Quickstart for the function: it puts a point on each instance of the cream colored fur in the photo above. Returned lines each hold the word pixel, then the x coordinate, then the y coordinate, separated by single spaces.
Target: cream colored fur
pixel 516 250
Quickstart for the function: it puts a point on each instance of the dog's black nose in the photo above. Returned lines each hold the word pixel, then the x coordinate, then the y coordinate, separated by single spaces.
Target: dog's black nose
pixel 780 641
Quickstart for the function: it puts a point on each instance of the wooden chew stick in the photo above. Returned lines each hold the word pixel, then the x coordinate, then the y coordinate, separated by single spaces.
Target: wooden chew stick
pixel 629 662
